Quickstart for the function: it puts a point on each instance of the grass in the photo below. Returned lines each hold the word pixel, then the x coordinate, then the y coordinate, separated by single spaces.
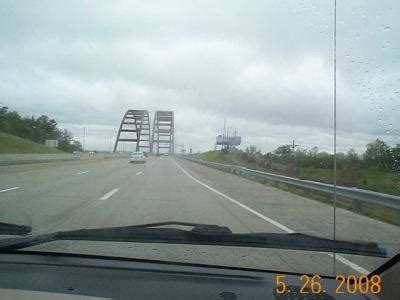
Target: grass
pixel 11 144
pixel 373 179
pixel 214 156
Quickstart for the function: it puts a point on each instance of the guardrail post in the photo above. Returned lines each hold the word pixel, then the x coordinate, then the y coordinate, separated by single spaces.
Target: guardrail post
pixel 357 205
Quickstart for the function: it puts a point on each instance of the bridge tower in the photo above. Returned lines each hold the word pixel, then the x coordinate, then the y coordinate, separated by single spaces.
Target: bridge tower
pixel 135 128
pixel 163 132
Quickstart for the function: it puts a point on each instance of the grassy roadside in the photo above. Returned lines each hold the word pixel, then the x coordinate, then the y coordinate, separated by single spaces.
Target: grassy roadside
pixel 11 144
pixel 372 211
pixel 373 179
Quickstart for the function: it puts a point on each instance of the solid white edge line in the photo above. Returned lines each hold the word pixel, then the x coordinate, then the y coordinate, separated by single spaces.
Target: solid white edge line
pixel 349 263
pixel 138 173
pixel 83 172
pixel 10 189
pixel 109 194
pixel 273 222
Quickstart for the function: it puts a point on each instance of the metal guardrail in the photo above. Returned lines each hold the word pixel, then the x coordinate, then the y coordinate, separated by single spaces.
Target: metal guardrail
pixel 358 196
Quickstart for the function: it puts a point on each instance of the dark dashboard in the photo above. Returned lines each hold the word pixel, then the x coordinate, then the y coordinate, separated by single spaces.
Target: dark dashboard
pixel 69 276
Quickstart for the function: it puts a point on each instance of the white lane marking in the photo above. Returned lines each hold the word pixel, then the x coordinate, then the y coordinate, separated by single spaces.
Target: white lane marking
pixel 83 172
pixel 109 194
pixel 349 263
pixel 138 173
pixel 273 222
pixel 10 189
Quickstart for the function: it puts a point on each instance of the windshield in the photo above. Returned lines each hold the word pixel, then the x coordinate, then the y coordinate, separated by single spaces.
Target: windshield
pixel 262 117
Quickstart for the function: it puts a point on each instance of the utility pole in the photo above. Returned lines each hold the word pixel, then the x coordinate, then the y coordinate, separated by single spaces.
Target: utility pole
pixel 294 146
pixel 227 138
pixel 84 136
pixel 223 135
pixel 292 156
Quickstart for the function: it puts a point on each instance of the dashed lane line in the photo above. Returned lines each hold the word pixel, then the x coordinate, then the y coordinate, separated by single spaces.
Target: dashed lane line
pixel 109 194
pixel 10 189
pixel 83 172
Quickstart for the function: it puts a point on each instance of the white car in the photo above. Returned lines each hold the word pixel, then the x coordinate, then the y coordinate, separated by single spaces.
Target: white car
pixel 138 157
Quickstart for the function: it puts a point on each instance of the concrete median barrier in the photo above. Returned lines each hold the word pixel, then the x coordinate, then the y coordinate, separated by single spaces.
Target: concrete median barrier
pixel 17 159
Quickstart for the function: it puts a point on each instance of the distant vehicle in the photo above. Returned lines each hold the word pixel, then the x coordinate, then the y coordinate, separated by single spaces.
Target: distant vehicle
pixel 165 154
pixel 138 157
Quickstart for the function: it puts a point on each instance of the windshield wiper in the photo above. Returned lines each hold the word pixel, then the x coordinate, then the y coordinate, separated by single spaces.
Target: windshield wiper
pixel 14 229
pixel 201 234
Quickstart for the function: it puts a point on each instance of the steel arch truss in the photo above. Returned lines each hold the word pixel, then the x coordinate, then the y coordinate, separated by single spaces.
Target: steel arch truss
pixel 135 128
pixel 163 132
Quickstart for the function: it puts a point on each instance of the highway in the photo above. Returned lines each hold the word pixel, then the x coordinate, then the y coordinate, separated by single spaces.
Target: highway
pixel 113 192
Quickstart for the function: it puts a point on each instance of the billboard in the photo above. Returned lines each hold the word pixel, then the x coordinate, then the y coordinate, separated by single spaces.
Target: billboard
pixel 228 140
pixel 51 143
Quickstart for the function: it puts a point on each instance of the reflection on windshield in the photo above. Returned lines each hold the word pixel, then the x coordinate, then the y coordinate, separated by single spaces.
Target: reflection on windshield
pixel 207 113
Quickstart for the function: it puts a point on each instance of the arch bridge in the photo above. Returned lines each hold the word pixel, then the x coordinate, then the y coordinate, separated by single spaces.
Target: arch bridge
pixel 135 128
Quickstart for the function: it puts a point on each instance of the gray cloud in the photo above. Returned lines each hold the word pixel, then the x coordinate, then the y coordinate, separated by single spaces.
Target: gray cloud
pixel 266 67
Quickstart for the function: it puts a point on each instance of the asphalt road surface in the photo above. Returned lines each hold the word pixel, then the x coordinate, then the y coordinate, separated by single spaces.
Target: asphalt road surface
pixel 103 193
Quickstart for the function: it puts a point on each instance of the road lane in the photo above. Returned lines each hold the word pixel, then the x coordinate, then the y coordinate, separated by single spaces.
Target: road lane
pixel 284 228
pixel 49 195
pixel 58 199
pixel 164 193
pixel 301 214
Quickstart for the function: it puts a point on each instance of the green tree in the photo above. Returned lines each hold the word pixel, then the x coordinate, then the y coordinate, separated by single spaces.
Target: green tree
pixel 378 153
pixel 67 143
pixel 284 152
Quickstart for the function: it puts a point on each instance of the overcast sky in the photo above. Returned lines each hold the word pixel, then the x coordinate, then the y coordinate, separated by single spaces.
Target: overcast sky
pixel 265 66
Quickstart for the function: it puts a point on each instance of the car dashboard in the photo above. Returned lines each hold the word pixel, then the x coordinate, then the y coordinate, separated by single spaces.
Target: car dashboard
pixel 26 275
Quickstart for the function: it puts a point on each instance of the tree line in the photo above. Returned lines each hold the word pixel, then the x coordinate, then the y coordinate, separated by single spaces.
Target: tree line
pixel 37 129
pixel 377 154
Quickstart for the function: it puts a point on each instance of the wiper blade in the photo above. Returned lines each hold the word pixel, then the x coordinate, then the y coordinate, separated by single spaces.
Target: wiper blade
pixel 201 234
pixel 14 229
